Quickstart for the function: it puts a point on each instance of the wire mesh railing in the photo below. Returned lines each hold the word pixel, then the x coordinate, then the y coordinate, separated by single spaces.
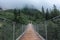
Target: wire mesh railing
pixel 50 30
pixel 40 28
pixel 6 30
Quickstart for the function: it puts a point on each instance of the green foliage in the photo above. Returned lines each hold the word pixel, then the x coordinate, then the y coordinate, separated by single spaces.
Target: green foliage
pixel 26 15
pixel 54 12
pixel 53 31
pixel 47 15
pixel 29 14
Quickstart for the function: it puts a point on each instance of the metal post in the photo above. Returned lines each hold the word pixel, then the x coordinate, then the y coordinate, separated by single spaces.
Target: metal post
pixel 14 30
pixel 46 29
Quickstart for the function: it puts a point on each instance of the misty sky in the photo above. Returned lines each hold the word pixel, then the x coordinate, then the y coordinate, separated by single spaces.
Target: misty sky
pixel 7 4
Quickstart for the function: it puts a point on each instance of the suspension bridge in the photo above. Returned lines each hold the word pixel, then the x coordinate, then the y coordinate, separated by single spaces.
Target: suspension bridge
pixel 30 34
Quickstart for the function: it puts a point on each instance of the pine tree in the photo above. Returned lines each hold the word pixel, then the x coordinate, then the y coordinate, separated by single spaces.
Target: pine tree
pixel 47 14
pixel 43 12
pixel 18 15
pixel 15 15
pixel 54 12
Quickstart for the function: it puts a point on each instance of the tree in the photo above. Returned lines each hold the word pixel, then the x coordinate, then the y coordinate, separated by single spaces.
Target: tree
pixel 0 8
pixel 15 15
pixel 19 12
pixel 18 15
pixel 54 12
pixel 47 14
pixel 43 12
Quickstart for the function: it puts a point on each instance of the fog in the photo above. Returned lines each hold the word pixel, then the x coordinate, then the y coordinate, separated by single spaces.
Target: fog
pixel 9 4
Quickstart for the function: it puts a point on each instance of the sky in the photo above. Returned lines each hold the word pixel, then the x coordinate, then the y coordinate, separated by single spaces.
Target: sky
pixel 9 4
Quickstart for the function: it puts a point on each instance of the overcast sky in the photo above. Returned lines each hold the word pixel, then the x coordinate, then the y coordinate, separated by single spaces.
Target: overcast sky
pixel 7 4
